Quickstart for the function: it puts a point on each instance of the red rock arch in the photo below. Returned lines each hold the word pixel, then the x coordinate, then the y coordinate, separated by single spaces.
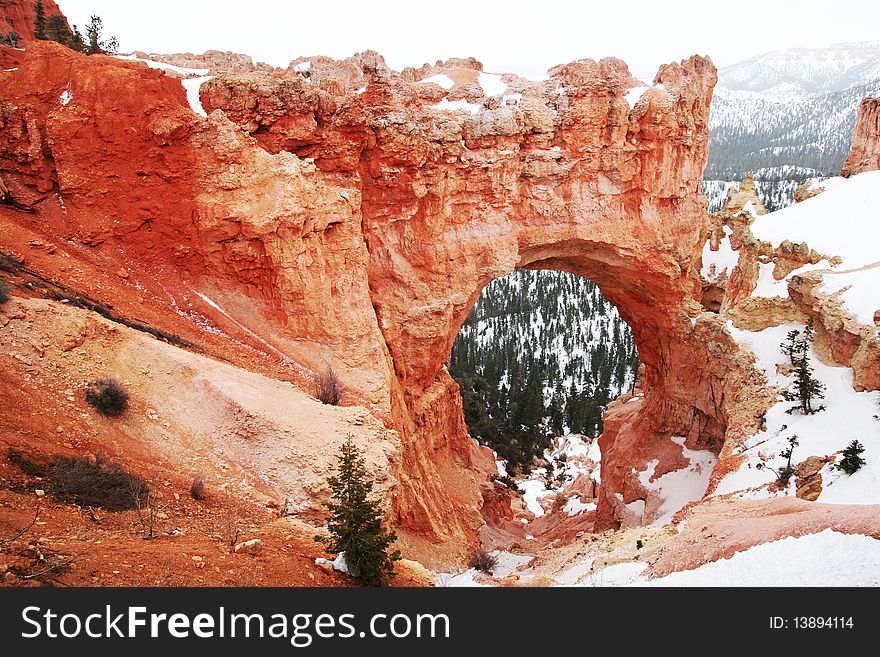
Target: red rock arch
pixel 348 215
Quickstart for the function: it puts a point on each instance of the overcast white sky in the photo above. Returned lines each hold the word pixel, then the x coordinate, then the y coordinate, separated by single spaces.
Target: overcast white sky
pixel 507 36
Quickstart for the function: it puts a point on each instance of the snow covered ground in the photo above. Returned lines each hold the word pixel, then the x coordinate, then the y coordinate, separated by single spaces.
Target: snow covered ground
pixel 848 416
pixel 828 558
pixel 679 487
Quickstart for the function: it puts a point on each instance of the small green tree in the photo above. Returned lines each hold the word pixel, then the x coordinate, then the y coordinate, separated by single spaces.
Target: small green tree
pixel 852 460
pixel 356 522
pixel 806 387
pixel 39 20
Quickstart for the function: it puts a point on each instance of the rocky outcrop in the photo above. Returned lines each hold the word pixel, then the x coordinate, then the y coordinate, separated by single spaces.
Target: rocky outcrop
pixel 809 478
pixel 865 152
pixel 357 225
pixel 215 61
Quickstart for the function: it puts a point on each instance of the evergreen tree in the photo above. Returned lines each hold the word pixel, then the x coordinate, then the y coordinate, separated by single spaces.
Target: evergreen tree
pixel 57 30
pixel 356 522
pixel 39 20
pixel 852 460
pixel 806 387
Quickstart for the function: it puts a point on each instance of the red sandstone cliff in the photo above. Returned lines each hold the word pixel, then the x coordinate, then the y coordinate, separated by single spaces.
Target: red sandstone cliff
pixel 340 212
pixel 865 152
pixel 20 15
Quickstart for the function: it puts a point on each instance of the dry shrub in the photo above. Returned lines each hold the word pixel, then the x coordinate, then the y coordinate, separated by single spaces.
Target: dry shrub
pixel 483 561
pixel 108 397
pixel 92 484
pixel 197 489
pixel 328 389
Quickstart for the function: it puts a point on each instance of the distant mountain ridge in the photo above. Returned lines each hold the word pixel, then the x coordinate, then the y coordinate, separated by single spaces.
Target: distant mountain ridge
pixel 805 70
pixel 787 116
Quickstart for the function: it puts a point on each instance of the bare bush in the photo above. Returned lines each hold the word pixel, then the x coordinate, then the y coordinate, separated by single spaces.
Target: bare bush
pixel 483 561
pixel 108 397
pixel 90 484
pixel 197 489
pixel 328 389
pixel 146 503
pixel 229 528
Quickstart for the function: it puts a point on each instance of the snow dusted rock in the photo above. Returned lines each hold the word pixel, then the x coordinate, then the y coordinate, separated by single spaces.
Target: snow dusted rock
pixel 252 547
pixel 338 564
pixel 865 153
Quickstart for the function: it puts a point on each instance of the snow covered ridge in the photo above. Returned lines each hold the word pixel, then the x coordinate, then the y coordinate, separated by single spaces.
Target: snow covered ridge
pixel 168 68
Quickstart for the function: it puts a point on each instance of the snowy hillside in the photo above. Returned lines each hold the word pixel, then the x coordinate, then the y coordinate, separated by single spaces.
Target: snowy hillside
pixel 850 205
pixel 787 116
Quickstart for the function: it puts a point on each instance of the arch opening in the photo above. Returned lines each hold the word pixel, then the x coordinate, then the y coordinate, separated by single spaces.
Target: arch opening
pixel 540 356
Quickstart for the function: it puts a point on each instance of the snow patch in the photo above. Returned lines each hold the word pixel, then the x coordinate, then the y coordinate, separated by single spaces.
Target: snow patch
pixel 679 487
pixel 492 84
pixel 442 80
pixel 339 563
pixel 446 105
pixel 574 506
pixel 633 95
pixel 828 558
pixel 192 87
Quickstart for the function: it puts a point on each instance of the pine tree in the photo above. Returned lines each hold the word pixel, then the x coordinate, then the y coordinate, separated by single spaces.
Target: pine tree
pixel 852 460
pixel 356 522
pixel 57 30
pixel 806 387
pixel 39 20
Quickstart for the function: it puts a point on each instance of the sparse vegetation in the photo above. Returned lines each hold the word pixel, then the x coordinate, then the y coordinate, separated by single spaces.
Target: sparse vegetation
pixel 9 263
pixel 55 28
pixel 483 561
pixel 356 522
pixel 328 389
pixel 146 503
pixel 87 483
pixel 806 388
pixel 852 460
pixel 4 293
pixel 108 397
pixel 229 527
pixel 787 471
pixel 197 489
pixel 17 535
